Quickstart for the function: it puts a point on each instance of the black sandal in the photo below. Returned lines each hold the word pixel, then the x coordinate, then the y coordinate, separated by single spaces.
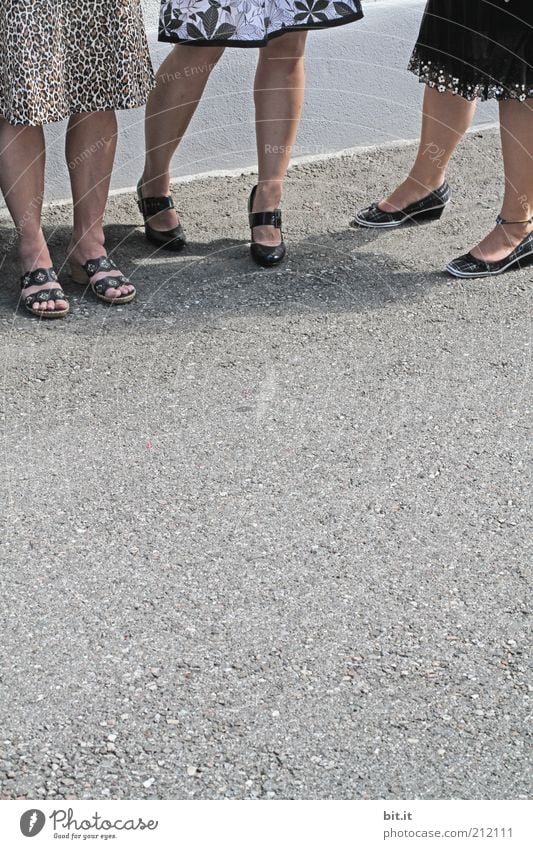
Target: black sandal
pixel 265 255
pixel 83 274
pixel 171 240
pixel 40 277
pixel 470 266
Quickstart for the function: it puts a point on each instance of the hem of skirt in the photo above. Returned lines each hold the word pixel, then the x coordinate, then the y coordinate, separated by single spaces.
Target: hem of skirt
pixel 16 121
pixel 228 42
pixel 445 81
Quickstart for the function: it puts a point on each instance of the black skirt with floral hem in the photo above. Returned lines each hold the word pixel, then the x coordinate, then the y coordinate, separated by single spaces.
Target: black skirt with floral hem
pixel 477 48
pixel 248 23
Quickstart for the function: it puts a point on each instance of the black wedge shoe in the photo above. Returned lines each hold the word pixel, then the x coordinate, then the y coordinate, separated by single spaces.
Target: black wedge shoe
pixel 429 208
pixel 170 240
pixel 40 277
pixel 265 255
pixel 470 266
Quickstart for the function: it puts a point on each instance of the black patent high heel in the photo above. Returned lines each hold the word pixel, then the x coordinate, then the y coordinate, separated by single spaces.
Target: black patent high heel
pixel 170 240
pixel 265 255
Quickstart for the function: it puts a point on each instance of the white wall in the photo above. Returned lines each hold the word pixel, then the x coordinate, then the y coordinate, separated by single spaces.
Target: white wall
pixel 358 93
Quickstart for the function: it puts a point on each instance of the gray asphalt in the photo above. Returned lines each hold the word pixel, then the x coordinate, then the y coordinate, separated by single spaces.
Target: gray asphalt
pixel 266 533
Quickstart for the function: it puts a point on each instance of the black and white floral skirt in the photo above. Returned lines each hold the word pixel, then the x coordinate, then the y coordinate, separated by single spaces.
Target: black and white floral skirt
pixel 249 23
pixel 477 48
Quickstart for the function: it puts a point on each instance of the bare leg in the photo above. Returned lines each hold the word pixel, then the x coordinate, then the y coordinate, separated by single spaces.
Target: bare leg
pixel 181 81
pixel 446 118
pixel 516 121
pixel 22 159
pixel 90 152
pixel 279 92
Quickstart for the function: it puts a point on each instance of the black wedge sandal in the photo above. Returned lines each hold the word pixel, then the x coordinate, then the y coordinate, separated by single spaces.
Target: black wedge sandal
pixel 83 274
pixel 265 255
pixel 40 277
pixel 429 208
pixel 470 266
pixel 170 240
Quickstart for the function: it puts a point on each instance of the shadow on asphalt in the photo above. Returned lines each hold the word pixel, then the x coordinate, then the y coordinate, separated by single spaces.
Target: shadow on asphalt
pixel 335 271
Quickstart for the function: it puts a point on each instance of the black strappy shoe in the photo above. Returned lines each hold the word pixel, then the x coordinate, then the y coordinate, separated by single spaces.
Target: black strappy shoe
pixel 470 266
pixel 265 255
pixel 429 208
pixel 40 277
pixel 83 274
pixel 170 240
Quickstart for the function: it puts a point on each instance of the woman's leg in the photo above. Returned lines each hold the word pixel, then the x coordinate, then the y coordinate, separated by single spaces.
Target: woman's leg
pixel 181 80
pixel 22 159
pixel 516 121
pixel 90 152
pixel 278 92
pixel 445 119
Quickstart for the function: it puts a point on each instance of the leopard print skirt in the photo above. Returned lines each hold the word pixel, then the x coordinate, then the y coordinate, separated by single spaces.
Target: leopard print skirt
pixel 61 57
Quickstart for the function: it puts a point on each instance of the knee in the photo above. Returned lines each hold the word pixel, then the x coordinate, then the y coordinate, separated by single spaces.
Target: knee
pixel 99 125
pixel 289 49
pixel 198 61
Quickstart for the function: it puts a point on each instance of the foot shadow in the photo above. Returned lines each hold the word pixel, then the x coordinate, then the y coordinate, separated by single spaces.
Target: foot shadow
pixel 336 271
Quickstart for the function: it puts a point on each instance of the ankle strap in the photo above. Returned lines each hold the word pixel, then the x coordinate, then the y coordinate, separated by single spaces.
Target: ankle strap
pixel 501 220
pixel 151 206
pixel 273 219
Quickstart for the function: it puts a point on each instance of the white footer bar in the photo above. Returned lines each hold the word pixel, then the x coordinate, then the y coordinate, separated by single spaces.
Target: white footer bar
pixel 268 824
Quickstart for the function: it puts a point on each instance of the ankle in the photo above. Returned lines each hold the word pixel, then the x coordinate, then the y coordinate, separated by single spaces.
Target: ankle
pixel 155 186
pixel 87 246
pixel 521 216
pixel 33 252
pixel 427 181
pixel 516 231
pixel 268 195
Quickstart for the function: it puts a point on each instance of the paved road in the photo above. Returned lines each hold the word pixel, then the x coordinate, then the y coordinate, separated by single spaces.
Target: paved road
pixel 265 533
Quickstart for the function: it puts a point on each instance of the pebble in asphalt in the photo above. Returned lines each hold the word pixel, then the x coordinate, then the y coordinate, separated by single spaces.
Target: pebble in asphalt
pixel 265 533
